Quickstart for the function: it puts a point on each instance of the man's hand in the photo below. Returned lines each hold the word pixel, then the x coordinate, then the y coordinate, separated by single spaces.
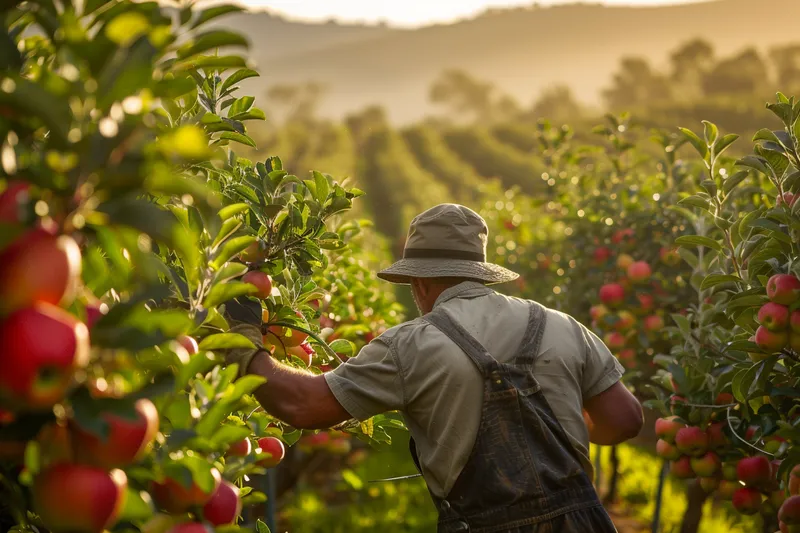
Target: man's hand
pixel 244 356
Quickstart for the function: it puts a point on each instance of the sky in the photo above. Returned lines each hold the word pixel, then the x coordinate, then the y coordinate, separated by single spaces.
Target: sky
pixel 408 13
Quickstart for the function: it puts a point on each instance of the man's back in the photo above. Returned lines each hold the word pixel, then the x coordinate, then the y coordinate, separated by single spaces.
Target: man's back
pixel 416 369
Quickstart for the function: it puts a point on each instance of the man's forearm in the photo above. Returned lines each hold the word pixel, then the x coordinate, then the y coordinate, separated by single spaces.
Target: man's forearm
pixel 301 399
pixel 284 393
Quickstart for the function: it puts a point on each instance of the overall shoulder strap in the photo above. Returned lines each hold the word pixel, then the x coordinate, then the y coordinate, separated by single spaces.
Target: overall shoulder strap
pixel 475 351
pixel 532 340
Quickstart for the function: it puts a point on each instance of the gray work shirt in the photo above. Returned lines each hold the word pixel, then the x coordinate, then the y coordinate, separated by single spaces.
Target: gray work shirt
pixel 415 369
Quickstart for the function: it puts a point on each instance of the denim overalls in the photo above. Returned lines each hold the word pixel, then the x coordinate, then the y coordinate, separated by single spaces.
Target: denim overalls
pixel 523 475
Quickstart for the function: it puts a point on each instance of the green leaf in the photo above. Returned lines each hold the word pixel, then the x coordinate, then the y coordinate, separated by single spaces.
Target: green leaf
pixel 696 141
pixel 322 186
pixel 127 27
pixel 261 527
pixel 711 132
pixel 344 347
pixel 230 249
pixel 754 162
pixel 724 143
pixel 232 210
pixel 696 200
pixel 715 279
pixel 698 240
pixel 734 180
pixel 229 271
pixel 211 63
pixel 137 506
pixel 228 434
pixel 223 292
pixel 214 12
pixel 238 137
pixel 210 40
pixel 765 134
pixel 221 341
pixel 245 385
pixel 236 77
pixel 253 114
pixel 241 105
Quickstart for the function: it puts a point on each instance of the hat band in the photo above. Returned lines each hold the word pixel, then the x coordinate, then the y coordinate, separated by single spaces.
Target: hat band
pixel 438 253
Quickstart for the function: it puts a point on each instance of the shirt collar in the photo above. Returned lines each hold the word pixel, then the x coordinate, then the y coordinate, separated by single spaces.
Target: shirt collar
pixel 463 289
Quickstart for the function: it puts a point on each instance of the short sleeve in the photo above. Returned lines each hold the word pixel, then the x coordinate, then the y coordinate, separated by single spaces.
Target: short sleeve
pixel 602 369
pixel 369 383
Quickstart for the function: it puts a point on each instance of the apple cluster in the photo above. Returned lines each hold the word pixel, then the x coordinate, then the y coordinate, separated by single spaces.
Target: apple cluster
pixel 632 281
pixel 778 319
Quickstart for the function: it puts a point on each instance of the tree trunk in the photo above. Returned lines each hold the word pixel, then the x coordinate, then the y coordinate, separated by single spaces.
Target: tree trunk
pixel 611 494
pixel 696 498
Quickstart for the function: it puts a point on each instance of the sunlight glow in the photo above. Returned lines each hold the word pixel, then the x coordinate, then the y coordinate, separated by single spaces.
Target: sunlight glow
pixel 411 12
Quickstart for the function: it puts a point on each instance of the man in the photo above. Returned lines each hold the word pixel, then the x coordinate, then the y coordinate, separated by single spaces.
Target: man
pixel 496 391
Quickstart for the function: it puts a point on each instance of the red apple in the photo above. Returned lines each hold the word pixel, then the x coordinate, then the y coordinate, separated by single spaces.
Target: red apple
pixel 281 336
pixel 692 441
pixel 639 272
pixel 598 311
pixel 783 289
pixel 189 343
pixel 39 267
pixel 274 450
pixel 261 281
pixel 339 446
pixel 623 235
pixel 94 312
pixel 709 484
pixel 253 254
pixel 754 471
pixel 682 468
pixel 173 497
pixel 601 254
pixel 788 198
pixel 773 341
pixel 716 436
pixel 794 321
pixel 724 398
pixel 224 506
pixel 706 465
pixel 126 441
pixel 752 433
pixel 774 317
pixel 794 481
pixel 11 199
pixel 625 321
pixel 646 301
pixel 667 428
pixel 665 450
pixel 190 527
pixel 240 448
pixel 612 294
pixel 789 512
pixel 40 349
pixel 794 341
pixel 727 489
pixel 71 498
pixel 669 257
pixel 653 323
pixel 747 500
pixel 614 341
pixel 624 261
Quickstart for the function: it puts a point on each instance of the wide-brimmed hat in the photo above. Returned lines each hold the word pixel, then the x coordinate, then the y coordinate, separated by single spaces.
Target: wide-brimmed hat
pixel 448 240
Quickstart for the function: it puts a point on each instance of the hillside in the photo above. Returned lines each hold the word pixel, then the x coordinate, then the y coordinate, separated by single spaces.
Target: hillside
pixel 522 50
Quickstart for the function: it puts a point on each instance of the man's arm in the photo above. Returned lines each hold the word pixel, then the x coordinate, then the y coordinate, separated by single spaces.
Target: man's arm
pixel 301 399
pixel 613 416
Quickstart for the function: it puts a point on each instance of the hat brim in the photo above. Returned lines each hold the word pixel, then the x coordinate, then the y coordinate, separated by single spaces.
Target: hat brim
pixel 402 271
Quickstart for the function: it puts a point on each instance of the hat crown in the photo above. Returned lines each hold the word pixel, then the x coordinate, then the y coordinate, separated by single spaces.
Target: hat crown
pixel 449 227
